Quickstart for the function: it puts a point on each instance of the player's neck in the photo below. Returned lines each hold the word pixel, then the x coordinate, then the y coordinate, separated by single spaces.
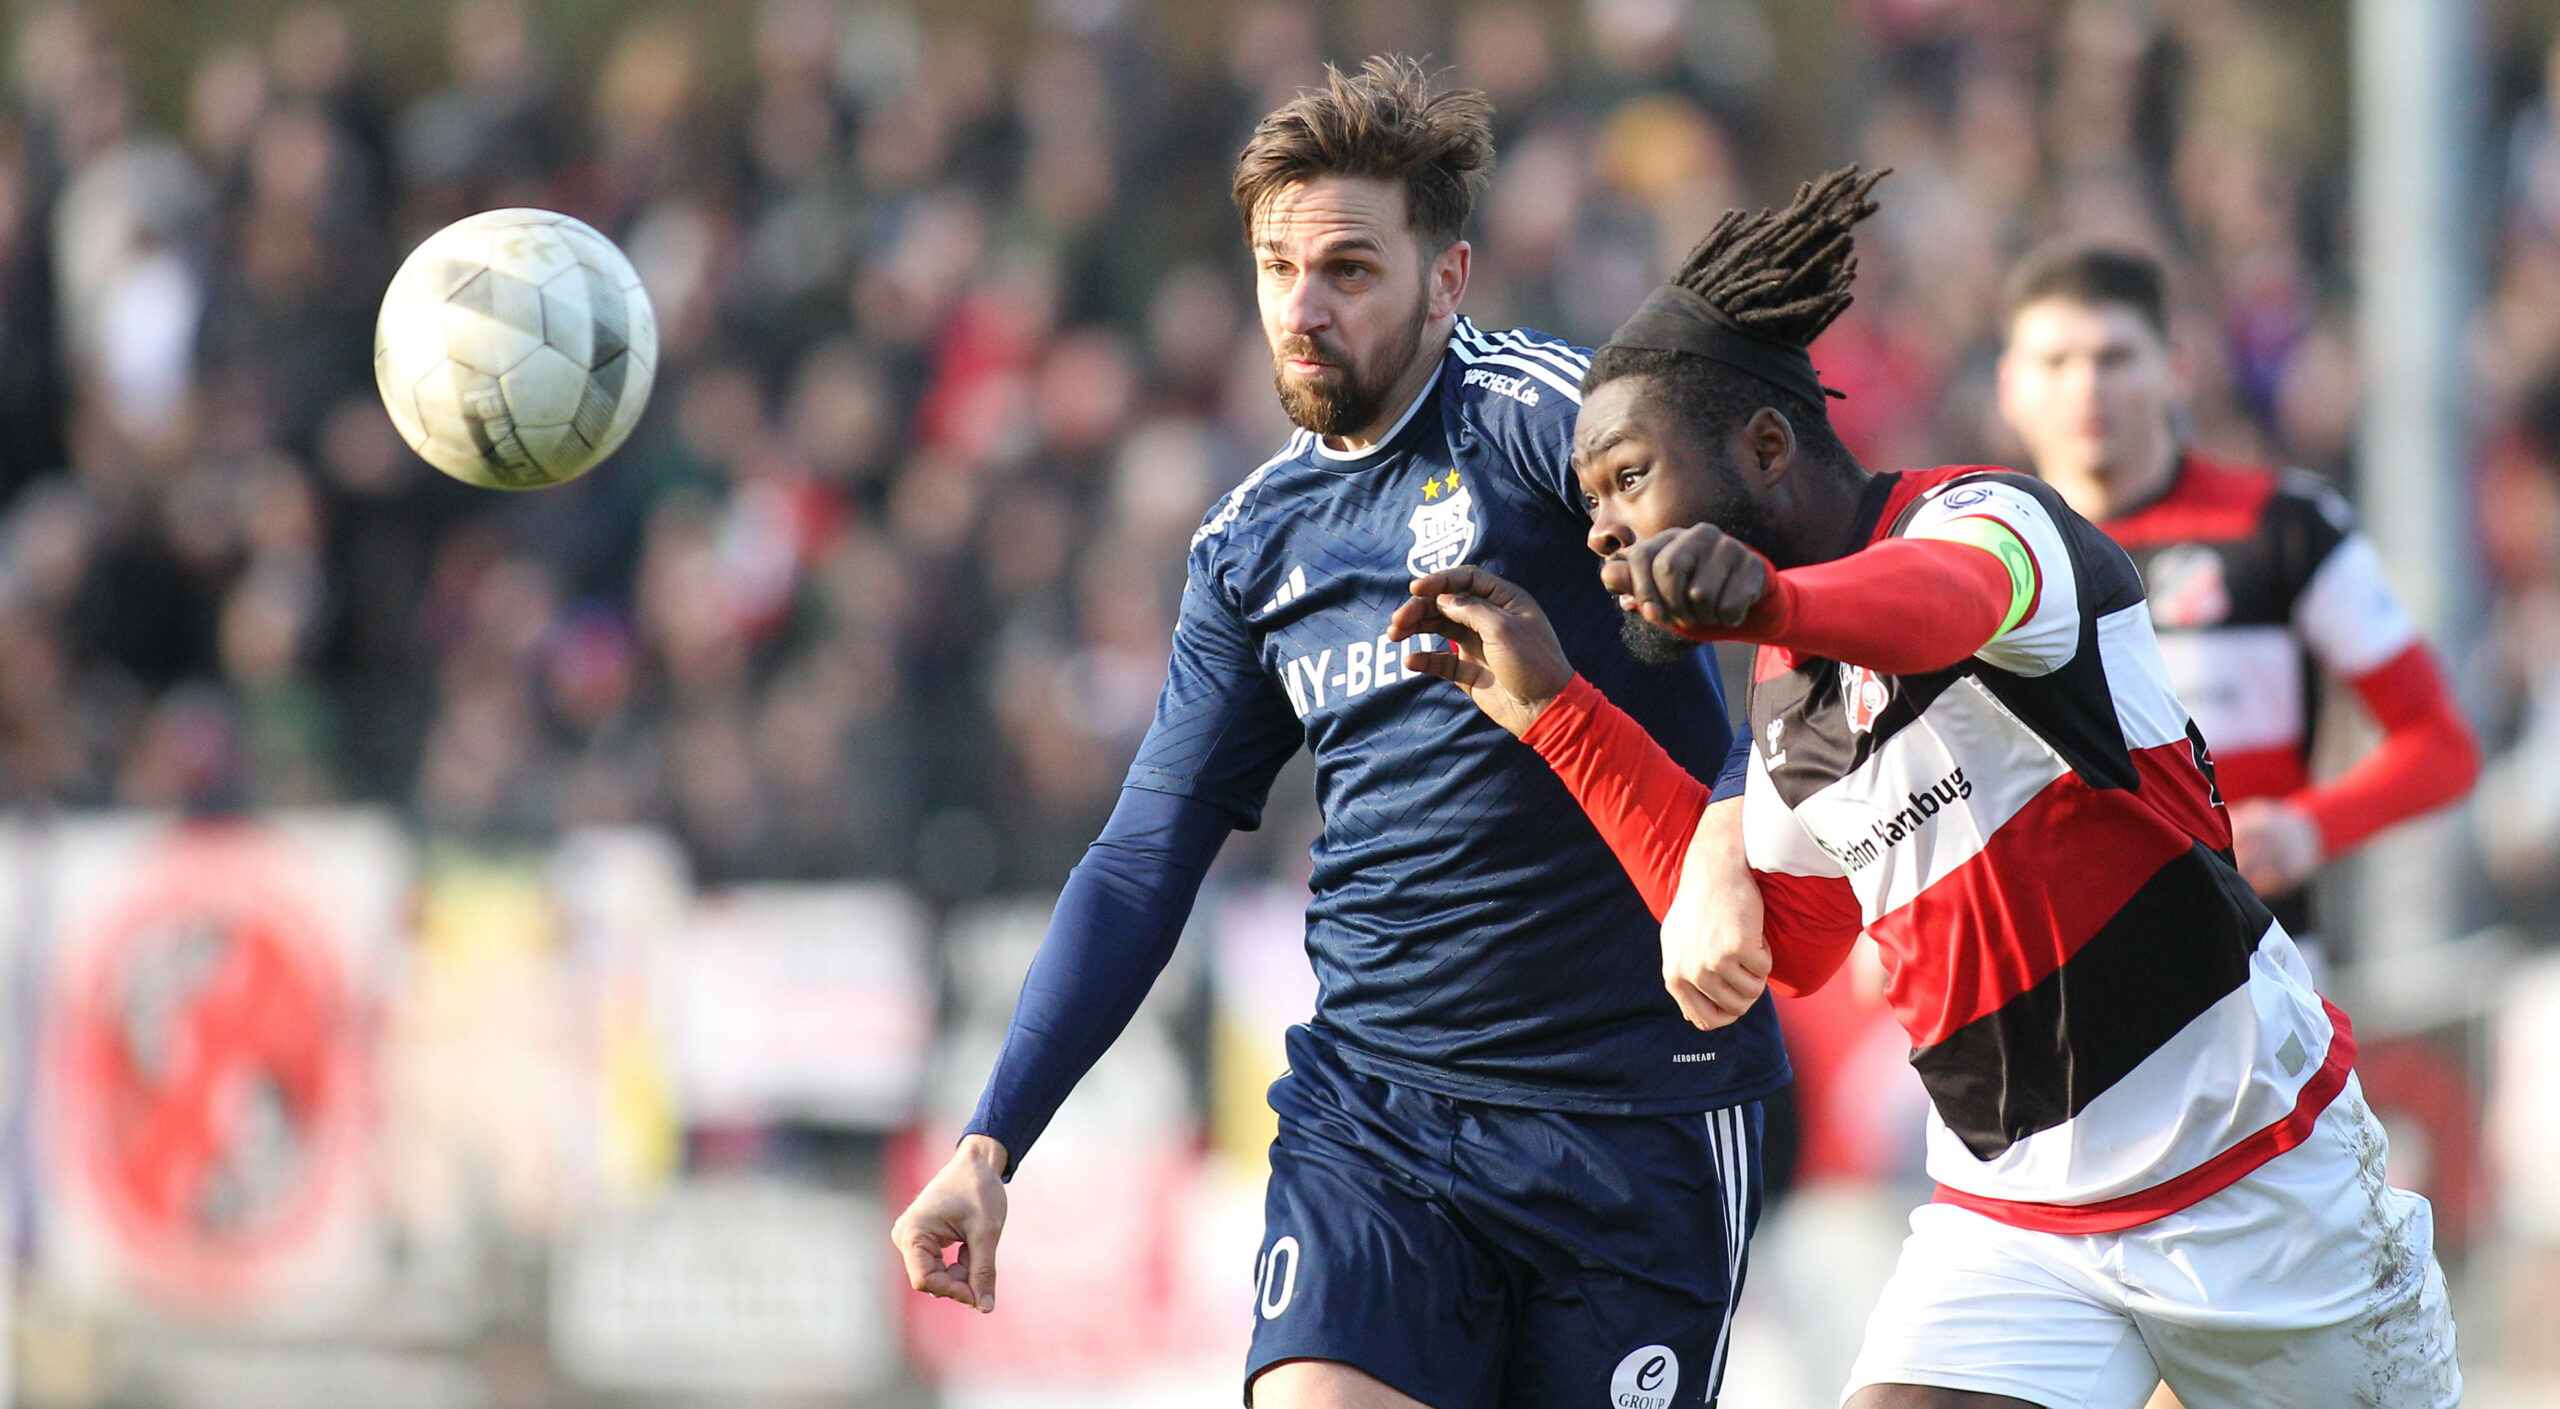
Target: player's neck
pixel 2102 492
pixel 1409 387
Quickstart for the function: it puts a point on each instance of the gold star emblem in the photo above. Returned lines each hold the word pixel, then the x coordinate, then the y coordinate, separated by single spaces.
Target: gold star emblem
pixel 1431 489
pixel 1453 481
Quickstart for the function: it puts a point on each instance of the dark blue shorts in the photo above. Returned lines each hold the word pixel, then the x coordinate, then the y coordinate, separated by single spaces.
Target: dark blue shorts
pixel 1489 1257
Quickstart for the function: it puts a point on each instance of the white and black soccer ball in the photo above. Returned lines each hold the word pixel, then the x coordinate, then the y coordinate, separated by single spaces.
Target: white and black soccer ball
pixel 515 349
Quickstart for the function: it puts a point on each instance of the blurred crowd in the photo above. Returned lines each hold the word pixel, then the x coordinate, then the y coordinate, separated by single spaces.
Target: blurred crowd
pixel 959 344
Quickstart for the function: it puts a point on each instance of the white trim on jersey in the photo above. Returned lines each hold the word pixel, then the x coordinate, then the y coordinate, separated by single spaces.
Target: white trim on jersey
pixel 1382 442
pixel 1573 364
pixel 2130 651
pixel 2243 684
pixel 2049 635
pixel 1474 350
pixel 1234 507
pixel 2235 1069
pixel 2347 613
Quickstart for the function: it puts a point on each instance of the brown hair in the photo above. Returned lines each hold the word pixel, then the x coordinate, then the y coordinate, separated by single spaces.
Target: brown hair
pixel 2091 274
pixel 1383 122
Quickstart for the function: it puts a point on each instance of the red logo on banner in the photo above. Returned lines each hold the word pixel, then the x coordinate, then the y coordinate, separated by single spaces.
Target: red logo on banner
pixel 209 1102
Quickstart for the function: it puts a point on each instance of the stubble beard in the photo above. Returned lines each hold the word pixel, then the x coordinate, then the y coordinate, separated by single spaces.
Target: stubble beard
pixel 1350 402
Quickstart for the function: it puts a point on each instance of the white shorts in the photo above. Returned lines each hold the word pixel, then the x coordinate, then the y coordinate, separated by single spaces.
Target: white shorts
pixel 2308 1283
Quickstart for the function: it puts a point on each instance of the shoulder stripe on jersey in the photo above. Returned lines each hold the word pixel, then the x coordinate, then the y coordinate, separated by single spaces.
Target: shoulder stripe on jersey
pixel 1540 370
pixel 1562 355
pixel 1568 361
pixel 1234 507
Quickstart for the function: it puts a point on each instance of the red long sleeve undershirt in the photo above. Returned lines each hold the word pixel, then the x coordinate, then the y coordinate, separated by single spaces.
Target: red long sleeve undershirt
pixel 1647 808
pixel 1904 606
pixel 2428 756
pixel 1900 607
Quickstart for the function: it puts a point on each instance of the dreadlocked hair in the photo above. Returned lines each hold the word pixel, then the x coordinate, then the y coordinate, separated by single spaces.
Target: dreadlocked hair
pixel 1782 275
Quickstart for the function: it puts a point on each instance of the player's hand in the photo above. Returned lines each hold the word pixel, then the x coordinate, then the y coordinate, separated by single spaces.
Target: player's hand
pixel 1715 960
pixel 1698 578
pixel 963 1204
pixel 2276 843
pixel 1501 650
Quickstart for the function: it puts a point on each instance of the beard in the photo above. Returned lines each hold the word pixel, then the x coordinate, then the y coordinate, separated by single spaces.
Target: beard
pixel 1347 397
pixel 1651 644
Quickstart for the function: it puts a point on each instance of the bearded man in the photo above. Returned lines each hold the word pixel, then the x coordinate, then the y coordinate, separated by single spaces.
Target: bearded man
pixel 1512 1169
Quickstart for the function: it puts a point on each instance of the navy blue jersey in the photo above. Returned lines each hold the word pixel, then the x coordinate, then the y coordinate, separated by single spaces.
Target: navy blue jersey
pixel 1470 931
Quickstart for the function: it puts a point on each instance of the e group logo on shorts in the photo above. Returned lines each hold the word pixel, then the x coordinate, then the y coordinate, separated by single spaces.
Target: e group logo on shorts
pixel 1647 1379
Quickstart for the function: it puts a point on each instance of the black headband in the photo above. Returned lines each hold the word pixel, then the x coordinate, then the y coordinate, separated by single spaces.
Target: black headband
pixel 1674 319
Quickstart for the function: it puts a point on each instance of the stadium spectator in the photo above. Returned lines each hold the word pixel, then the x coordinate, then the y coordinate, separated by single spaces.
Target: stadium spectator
pixel 900 349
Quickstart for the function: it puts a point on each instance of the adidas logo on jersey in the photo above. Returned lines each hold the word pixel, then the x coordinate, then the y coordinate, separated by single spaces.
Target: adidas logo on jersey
pixel 1290 591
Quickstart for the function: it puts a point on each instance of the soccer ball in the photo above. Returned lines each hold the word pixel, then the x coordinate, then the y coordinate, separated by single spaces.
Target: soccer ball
pixel 515 349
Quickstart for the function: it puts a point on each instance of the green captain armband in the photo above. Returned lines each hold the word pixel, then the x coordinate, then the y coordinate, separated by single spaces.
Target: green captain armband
pixel 2000 541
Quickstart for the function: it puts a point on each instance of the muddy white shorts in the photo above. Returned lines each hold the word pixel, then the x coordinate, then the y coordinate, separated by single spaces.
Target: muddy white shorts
pixel 2309 1284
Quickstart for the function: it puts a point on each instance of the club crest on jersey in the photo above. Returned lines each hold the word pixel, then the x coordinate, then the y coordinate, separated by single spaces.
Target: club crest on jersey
pixel 1863 694
pixel 1443 524
pixel 2186 586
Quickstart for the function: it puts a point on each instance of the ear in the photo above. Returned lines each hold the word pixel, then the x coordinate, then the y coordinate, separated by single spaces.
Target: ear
pixel 1768 446
pixel 1448 276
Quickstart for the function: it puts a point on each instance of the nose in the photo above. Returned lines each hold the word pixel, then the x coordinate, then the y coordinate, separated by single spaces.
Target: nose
pixel 1608 537
pixel 1302 307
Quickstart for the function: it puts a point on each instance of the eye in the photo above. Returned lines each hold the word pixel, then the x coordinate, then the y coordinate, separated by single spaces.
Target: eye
pixel 1590 503
pixel 1627 478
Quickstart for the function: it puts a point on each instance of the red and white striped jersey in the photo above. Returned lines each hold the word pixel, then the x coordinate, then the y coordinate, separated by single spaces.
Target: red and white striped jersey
pixel 2260 583
pixel 2109 1023
pixel 2257 582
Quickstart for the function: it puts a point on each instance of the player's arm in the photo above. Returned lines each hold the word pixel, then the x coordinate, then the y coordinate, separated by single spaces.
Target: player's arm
pixel 1904 606
pixel 1655 817
pixel 2428 756
pixel 2353 624
pixel 1221 732
pixel 1111 934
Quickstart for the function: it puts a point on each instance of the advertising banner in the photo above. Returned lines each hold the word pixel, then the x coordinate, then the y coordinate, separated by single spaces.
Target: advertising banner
pixel 204 1105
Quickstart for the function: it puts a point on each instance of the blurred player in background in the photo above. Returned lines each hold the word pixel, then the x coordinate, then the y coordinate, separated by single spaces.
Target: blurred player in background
pixel 2152 1155
pixel 2259 581
pixel 1508 1171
